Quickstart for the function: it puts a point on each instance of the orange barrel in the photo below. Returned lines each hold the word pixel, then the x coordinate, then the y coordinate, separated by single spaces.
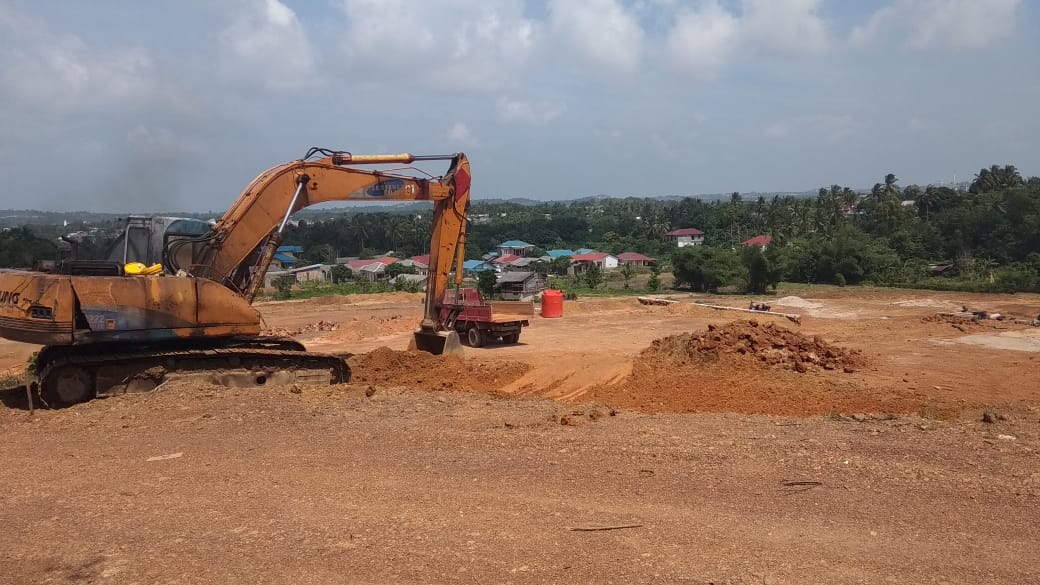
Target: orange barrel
pixel 552 303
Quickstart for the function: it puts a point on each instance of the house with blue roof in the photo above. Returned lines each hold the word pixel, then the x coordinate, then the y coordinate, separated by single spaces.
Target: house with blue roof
pixel 473 267
pixel 286 257
pixel 514 247
pixel 560 253
pixel 581 251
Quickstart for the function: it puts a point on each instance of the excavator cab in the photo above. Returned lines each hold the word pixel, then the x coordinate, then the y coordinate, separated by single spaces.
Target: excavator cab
pixel 148 240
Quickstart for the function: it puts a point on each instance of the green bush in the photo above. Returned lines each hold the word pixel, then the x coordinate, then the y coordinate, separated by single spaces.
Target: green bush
pixel 706 269
pixel 283 286
pixel 486 283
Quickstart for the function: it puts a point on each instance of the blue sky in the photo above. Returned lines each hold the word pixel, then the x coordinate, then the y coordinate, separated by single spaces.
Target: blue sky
pixel 130 106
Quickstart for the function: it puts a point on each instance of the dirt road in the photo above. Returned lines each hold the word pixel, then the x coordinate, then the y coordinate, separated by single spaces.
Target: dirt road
pixel 400 478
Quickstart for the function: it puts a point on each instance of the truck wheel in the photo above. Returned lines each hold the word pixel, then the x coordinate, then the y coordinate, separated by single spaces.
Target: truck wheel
pixel 475 337
pixel 511 338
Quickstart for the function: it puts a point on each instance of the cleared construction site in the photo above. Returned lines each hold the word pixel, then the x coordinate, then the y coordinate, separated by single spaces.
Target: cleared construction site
pixel 622 442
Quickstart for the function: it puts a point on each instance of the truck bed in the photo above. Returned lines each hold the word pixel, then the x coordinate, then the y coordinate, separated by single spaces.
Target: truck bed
pixel 507 311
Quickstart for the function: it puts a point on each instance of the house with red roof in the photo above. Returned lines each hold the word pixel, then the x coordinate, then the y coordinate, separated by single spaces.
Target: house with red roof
pixel 635 259
pixel 421 264
pixel 580 262
pixel 760 241
pixel 503 262
pixel 686 237
pixel 371 269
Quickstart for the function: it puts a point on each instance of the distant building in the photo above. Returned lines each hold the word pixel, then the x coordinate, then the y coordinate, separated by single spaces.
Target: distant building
pixel 581 262
pixel 686 237
pixel 760 241
pixel 519 286
pixel 371 269
pixel 514 247
pixel 421 264
pixel 286 257
pixel 635 259
pixel 314 272
pixel 520 264
pixel 501 263
pixel 472 267
pixel 419 279
pixel 560 253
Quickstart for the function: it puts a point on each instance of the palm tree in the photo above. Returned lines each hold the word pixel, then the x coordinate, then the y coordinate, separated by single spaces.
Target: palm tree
pixel 996 178
pixel 890 186
pixel 359 225
pixel 395 230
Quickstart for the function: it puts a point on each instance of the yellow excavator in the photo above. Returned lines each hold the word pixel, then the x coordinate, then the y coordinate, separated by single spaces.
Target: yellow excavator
pixel 111 327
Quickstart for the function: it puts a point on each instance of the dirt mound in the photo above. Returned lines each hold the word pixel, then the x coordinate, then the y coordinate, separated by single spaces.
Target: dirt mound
pixel 796 302
pixel 959 322
pixel 767 343
pixel 754 368
pixel 418 369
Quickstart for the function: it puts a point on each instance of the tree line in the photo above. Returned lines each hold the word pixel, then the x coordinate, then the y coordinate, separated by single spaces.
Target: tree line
pixel 984 238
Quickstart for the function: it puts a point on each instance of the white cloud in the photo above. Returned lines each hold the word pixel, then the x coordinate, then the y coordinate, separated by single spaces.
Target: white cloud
pixel 967 24
pixel 602 32
pixel 42 69
pixel 479 45
pixel 527 112
pixel 789 26
pixel 830 127
pixel 461 135
pixel 703 40
pixel 266 44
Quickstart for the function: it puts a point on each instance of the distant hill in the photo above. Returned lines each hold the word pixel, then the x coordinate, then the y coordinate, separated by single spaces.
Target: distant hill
pixel 20 217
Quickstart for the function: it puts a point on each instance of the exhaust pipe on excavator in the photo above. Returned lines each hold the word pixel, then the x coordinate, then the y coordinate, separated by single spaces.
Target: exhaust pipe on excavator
pixel 437 342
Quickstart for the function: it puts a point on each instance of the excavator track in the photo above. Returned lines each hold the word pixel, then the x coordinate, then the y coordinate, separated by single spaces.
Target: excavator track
pixel 71 374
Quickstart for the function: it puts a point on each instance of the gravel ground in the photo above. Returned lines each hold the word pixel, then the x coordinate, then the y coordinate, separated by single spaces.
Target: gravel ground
pixel 319 485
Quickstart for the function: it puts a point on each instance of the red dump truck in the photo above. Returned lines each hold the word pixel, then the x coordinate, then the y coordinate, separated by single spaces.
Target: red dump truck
pixel 479 322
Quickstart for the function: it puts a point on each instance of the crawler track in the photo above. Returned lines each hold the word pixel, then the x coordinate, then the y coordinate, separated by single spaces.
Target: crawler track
pixel 70 374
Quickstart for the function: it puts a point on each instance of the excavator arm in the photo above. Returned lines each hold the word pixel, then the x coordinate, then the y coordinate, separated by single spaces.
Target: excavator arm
pixel 239 249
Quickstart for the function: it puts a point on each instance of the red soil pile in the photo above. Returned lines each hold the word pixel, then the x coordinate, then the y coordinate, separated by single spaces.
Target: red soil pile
pixel 418 369
pixel 753 368
pixel 958 322
pixel 767 343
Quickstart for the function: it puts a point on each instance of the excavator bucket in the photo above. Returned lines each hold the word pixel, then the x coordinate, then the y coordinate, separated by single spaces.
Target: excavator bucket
pixel 437 342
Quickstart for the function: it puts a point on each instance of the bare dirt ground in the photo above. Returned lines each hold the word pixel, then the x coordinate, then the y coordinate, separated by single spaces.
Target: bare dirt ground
pixel 847 449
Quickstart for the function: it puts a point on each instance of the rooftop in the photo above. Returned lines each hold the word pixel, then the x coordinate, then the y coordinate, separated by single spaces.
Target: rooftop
pixel 762 240
pixel 515 244
pixel 507 277
pixel 635 257
pixel 508 258
pixel 477 265
pixel 685 232
pixel 591 257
